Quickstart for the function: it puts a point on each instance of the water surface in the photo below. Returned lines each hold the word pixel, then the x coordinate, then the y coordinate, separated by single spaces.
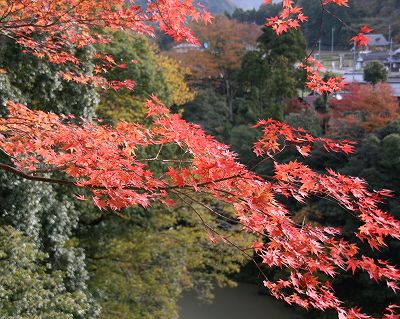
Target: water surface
pixel 241 302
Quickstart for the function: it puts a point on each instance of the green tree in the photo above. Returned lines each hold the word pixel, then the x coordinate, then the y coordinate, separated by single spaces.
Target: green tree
pixel 33 81
pixel 209 110
pixel 290 45
pixel 268 76
pixel 141 64
pixel 30 289
pixel 378 158
pixel 307 120
pixel 375 72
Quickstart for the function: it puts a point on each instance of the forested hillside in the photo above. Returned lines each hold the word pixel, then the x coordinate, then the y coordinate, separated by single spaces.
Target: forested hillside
pixel 247 4
pixel 219 6
pixel 378 14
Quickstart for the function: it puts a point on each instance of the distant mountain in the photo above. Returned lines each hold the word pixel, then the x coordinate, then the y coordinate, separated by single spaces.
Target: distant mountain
pixel 219 6
pixel 250 4
pixel 247 4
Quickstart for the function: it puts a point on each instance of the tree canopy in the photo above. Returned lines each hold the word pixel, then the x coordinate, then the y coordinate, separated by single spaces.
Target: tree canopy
pixel 28 288
pixel 375 72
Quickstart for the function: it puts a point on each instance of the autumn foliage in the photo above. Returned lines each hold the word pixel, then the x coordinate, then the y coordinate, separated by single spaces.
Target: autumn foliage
pixel 366 106
pixel 226 42
pixel 106 165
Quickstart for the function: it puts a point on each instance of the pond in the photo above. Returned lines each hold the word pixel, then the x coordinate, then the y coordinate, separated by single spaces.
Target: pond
pixel 235 303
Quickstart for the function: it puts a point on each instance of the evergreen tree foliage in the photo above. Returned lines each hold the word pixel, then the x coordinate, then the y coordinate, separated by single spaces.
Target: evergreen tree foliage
pixel 268 76
pixel 30 289
pixel 375 72
pixel 33 81
pixel 209 110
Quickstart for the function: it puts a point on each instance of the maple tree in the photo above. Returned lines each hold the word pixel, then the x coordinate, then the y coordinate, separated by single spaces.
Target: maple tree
pixel 105 162
pixel 269 76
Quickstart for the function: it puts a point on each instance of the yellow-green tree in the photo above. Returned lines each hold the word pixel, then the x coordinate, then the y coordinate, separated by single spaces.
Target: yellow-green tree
pixel 175 73
pixel 142 264
pixel 153 74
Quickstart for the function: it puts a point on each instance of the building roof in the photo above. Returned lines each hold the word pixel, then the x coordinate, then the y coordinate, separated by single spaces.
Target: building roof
pixel 384 57
pixel 376 39
pixel 374 56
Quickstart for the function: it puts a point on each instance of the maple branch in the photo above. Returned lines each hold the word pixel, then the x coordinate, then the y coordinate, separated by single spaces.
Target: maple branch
pixel 317 39
pixel 219 180
pixel 15 171
pixel 22 174
pixel 163 160
pixel 340 20
pixel 234 221
pixel 220 215
pixel 242 250
pixel 47 170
